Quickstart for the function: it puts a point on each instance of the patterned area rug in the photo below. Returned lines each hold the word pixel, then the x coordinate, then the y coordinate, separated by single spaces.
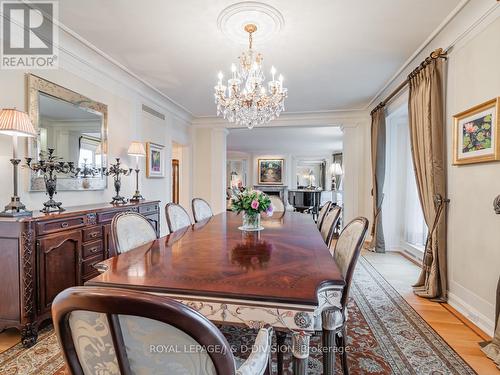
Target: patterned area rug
pixel 385 336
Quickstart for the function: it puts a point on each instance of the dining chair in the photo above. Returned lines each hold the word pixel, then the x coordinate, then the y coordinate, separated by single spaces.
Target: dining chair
pixel 346 254
pixel 322 212
pixel 277 202
pixel 130 230
pixel 119 331
pixel 177 217
pixel 201 209
pixel 329 223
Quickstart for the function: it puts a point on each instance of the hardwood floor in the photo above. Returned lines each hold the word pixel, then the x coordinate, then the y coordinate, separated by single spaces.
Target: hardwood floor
pixel 401 273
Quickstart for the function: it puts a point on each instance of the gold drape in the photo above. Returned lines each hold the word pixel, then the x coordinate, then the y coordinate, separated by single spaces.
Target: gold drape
pixel 428 146
pixel 378 170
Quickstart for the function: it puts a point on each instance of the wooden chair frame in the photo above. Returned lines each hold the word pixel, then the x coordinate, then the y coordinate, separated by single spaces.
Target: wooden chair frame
pixel 114 302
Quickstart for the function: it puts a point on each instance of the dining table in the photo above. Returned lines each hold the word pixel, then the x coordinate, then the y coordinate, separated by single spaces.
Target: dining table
pixel 283 276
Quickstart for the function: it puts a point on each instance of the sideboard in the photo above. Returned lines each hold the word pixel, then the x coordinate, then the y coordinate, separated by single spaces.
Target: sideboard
pixel 47 253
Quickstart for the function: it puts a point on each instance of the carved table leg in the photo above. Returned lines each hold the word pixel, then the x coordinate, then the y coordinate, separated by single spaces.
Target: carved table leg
pixel 300 350
pixel 280 349
pixel 332 321
pixel 29 335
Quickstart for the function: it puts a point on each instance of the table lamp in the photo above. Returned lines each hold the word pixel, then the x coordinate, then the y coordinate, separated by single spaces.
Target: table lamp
pixel 16 124
pixel 137 149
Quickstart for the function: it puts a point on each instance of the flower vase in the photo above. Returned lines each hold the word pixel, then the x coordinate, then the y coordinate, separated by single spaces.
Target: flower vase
pixel 251 222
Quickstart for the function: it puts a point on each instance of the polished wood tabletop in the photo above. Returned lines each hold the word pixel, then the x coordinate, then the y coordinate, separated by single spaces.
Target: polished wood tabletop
pixel 286 262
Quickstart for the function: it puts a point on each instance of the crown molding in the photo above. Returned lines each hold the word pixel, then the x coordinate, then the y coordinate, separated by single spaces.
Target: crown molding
pixel 477 13
pixel 74 48
pixel 322 118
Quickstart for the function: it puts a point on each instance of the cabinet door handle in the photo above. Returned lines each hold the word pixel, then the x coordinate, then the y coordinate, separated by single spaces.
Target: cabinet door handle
pixel 64 225
pixel 94 234
pixel 94 249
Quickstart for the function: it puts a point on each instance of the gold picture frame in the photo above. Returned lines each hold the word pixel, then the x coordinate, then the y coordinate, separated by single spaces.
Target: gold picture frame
pixel 270 171
pixel 475 134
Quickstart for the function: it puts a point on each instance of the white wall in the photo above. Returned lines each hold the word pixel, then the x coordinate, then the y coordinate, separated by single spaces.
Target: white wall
pixel 89 74
pixel 209 166
pixel 473 234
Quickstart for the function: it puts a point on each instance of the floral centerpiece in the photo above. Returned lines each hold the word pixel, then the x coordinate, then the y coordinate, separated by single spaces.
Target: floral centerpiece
pixel 252 203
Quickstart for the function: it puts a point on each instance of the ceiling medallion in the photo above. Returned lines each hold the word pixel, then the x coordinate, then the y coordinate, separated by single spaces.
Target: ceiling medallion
pixel 245 100
pixel 232 20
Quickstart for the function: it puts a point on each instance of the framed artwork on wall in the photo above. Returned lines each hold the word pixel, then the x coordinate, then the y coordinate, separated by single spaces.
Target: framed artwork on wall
pixel 155 160
pixel 475 134
pixel 270 171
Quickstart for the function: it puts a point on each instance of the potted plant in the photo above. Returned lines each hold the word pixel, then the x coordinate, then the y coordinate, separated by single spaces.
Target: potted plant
pixel 251 203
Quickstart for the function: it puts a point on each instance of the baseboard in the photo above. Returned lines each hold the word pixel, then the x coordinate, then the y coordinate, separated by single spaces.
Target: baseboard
pixel 472 314
pixel 467 322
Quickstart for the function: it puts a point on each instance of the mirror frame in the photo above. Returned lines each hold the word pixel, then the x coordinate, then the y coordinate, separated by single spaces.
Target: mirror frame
pixel 37 85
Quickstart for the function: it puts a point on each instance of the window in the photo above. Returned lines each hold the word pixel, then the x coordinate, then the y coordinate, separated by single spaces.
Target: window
pixel 88 151
pixel 403 220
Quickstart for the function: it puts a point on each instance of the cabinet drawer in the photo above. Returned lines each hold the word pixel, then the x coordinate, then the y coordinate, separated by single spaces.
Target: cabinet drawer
pixel 149 209
pixel 106 217
pixel 92 233
pixel 60 225
pixel 92 248
pixel 88 265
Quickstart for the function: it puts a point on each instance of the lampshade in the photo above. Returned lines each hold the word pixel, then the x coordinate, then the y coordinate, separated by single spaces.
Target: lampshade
pixel 136 149
pixel 14 122
pixel 336 169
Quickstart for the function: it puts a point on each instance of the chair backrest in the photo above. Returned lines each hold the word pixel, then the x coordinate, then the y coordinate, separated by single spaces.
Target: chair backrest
pixel 329 223
pixel 177 217
pixel 130 230
pixel 117 331
pixel 277 203
pixel 347 250
pixel 201 209
pixel 322 213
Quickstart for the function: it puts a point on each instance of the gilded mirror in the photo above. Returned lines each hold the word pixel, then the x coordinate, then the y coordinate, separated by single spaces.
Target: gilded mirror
pixel 75 126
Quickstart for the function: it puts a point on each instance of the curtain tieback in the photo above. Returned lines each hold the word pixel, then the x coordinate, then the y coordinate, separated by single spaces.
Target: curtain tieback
pixel 440 204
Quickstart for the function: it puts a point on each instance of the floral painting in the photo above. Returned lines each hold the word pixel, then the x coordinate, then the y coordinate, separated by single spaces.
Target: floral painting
pixel 155 160
pixel 475 134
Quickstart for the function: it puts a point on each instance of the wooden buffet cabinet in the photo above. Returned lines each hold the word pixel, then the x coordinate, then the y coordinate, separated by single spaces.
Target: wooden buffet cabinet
pixel 47 253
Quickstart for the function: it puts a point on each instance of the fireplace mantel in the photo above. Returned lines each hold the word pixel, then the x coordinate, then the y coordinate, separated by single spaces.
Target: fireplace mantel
pixel 273 189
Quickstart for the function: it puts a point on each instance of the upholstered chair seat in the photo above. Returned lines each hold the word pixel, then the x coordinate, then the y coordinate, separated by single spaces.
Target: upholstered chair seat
pixel 201 209
pixel 115 331
pixel 322 213
pixel 329 223
pixel 130 230
pixel 177 217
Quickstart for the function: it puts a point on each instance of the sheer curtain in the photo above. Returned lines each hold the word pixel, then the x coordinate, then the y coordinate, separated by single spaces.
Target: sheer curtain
pixel 403 221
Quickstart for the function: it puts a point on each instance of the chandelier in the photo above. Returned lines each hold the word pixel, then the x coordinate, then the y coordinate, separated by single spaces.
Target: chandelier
pixel 246 100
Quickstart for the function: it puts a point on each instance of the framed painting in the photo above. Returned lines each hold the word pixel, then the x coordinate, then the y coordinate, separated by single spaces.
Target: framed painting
pixel 155 160
pixel 475 134
pixel 270 171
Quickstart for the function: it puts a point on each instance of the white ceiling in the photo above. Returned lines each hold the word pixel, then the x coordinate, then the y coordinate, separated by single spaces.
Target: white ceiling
pixel 304 141
pixel 334 54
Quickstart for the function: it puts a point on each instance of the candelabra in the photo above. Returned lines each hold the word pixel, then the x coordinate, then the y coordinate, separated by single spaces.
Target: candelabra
pixel 50 165
pixel 116 171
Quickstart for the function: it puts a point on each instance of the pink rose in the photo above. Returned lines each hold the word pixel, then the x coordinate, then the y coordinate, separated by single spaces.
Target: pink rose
pixel 254 204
